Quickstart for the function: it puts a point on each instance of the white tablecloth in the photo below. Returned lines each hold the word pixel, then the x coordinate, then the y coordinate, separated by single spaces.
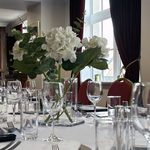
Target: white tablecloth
pixel 72 137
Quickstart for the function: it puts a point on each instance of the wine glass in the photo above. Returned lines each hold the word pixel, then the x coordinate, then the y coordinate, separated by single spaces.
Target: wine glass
pixel 3 102
pixel 30 86
pixel 52 103
pixel 141 109
pixel 14 94
pixel 94 93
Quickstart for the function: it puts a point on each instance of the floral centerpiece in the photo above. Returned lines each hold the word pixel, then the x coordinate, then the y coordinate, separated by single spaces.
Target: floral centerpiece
pixel 47 54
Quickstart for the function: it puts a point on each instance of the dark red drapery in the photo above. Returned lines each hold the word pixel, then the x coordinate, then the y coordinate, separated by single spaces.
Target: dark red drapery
pixel 77 8
pixel 126 18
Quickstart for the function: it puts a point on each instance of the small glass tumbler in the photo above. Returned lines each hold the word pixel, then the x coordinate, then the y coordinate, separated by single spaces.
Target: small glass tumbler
pixel 30 119
pixel 104 134
pixel 3 102
pixel 112 101
pixel 122 129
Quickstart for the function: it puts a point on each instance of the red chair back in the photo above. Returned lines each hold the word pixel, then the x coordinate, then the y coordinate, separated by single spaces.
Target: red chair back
pixel 82 96
pixel 121 87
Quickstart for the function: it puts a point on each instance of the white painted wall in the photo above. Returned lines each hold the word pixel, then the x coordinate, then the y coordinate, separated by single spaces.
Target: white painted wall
pixel 145 41
pixel 34 14
pixel 54 13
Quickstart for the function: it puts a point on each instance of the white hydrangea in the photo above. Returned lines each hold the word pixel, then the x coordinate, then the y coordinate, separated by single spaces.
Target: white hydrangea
pixel 98 42
pixel 18 52
pixel 32 39
pixel 60 44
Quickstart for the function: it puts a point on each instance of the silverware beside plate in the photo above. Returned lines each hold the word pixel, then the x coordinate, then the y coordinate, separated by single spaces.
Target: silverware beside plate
pixel 11 146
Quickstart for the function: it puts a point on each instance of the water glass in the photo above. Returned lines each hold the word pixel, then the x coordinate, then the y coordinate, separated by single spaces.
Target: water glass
pixel 104 134
pixel 122 129
pixel 30 110
pixel 3 102
pixel 14 95
pixel 112 101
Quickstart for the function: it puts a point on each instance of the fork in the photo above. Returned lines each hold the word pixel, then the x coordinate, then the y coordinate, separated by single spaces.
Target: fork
pixel 14 145
pixel 8 145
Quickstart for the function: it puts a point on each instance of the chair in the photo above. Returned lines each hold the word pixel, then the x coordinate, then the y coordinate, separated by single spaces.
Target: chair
pixel 82 96
pixel 121 87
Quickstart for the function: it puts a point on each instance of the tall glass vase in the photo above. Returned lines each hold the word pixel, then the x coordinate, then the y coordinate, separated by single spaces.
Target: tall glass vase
pixel 71 95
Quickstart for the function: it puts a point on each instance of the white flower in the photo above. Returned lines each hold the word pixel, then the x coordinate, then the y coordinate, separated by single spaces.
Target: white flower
pixel 32 38
pixel 18 52
pixel 61 44
pixel 98 42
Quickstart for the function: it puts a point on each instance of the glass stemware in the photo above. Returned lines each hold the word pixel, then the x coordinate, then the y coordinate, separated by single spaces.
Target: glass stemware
pixel 14 94
pixel 141 109
pixel 52 103
pixel 3 102
pixel 30 86
pixel 94 93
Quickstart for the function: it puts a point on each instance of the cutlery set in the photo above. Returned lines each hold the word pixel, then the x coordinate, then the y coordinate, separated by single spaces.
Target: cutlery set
pixel 7 135
pixel 11 146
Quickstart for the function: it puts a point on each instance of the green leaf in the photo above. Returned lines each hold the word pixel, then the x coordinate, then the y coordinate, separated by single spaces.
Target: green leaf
pixel 17 34
pixel 100 64
pixel 87 58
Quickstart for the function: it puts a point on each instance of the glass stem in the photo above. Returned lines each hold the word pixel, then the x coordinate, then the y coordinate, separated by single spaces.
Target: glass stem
pixel 148 144
pixel 14 110
pixel 96 138
pixel 53 132
pixel 94 111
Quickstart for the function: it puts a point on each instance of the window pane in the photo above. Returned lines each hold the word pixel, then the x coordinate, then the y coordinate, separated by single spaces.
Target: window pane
pixel 105 4
pixel 24 26
pixel 97 29
pixel 96 6
pixel 86 73
pixel 108 32
pixel 86 31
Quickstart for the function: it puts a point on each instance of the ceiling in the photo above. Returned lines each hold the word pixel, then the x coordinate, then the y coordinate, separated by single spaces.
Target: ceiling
pixel 10 10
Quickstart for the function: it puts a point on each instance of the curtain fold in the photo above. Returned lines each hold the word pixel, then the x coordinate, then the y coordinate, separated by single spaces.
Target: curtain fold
pixel 126 18
pixel 77 8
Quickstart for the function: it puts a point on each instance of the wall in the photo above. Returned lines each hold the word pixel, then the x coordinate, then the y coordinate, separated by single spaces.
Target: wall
pixel 145 41
pixel 34 14
pixel 54 13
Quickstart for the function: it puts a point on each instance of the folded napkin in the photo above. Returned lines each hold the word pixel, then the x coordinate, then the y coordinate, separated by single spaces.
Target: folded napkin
pixel 7 137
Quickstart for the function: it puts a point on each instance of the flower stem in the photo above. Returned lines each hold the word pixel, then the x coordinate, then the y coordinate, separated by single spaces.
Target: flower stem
pixel 46 76
pixel 59 72
pixel 67 114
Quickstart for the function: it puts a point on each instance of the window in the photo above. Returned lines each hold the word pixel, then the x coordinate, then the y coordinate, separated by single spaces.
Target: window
pixel 24 26
pixel 98 22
